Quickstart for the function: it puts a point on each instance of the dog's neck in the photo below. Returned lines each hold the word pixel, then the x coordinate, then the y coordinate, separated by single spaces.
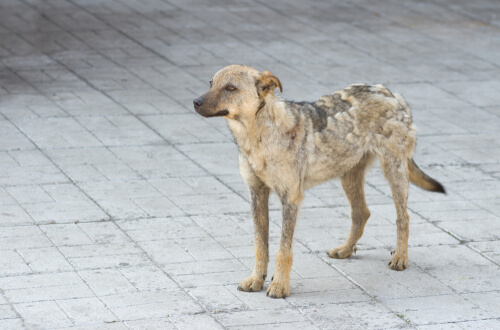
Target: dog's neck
pixel 251 130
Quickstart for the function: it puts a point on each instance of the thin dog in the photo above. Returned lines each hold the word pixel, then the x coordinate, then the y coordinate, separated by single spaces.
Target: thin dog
pixel 287 147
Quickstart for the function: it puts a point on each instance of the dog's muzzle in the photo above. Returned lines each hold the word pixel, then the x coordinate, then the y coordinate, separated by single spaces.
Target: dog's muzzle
pixel 198 106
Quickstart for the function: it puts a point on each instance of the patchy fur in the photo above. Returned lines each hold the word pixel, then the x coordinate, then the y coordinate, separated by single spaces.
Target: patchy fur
pixel 287 147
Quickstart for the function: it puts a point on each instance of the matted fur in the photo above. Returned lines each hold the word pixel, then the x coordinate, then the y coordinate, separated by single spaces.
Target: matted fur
pixel 287 147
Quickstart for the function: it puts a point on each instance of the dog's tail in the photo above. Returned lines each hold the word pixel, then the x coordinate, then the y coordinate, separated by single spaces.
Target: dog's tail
pixel 422 180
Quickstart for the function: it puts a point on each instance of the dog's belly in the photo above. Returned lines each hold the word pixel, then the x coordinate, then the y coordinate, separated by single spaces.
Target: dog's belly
pixel 330 161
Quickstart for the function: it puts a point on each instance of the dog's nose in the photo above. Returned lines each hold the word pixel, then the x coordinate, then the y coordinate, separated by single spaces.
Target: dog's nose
pixel 197 102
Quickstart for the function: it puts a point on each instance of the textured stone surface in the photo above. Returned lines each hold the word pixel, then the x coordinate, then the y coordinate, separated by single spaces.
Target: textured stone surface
pixel 121 208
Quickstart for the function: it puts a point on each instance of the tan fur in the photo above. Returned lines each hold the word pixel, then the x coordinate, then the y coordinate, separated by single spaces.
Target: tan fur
pixel 287 147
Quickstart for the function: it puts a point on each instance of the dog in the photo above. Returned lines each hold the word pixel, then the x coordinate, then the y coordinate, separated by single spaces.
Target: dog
pixel 286 147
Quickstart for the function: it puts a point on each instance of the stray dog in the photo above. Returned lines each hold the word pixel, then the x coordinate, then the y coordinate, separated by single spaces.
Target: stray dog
pixel 287 147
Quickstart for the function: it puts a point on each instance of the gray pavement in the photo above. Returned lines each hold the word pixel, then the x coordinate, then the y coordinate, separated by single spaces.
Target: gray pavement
pixel 121 208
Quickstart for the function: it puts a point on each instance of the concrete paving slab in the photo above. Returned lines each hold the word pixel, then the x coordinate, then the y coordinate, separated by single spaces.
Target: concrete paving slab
pixel 121 208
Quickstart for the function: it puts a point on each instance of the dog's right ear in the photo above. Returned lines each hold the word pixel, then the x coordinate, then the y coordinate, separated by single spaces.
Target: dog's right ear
pixel 266 84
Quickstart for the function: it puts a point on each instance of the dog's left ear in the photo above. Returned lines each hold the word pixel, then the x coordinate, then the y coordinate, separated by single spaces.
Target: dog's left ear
pixel 266 83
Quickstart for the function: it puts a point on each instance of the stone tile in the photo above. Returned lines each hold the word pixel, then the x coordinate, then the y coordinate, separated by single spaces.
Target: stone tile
pixel 120 130
pixel 420 283
pixel 151 304
pixel 163 323
pixel 319 284
pixel 46 313
pixel 148 278
pixel 331 316
pixel 421 234
pixel 374 315
pixel 217 299
pixel 7 313
pixel 205 156
pixel 166 252
pixel 47 259
pixel 100 249
pixel 148 102
pixel 200 322
pixel 437 309
pixel 477 93
pixel 69 204
pixel 30 194
pixel 12 138
pixel 13 264
pixel 40 281
pixel 107 261
pixel 489 301
pixel 204 248
pixel 258 317
pixel 229 278
pixel 57 133
pixel 306 299
pixel 35 174
pixel 490 249
pixel 477 279
pixel 161 228
pixel 11 323
pixel 49 293
pixel 219 225
pixel 158 207
pixel 66 234
pixel 5 198
pixel 85 103
pixel 105 282
pixel 204 267
pixel 87 311
pixel 211 204
pixel 492 323
pixel 23 237
pixel 92 164
pixel 471 230
pixel 14 215
pixel 450 326
pixel 158 162
pixel 306 325
pixel 117 197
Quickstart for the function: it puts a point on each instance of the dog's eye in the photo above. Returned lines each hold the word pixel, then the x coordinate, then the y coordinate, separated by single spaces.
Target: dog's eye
pixel 231 88
pixel 211 81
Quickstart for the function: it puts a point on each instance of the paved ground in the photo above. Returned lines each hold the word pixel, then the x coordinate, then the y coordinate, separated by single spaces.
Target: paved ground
pixel 121 208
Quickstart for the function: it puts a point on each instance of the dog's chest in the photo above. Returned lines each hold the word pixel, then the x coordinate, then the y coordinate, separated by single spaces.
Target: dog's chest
pixel 272 163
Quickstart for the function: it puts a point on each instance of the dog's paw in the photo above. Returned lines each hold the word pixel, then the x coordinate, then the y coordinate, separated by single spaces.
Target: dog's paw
pixel 398 261
pixel 341 252
pixel 278 289
pixel 251 284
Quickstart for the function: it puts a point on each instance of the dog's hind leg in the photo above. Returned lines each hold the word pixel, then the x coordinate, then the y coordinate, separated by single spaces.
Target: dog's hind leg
pixel 397 173
pixel 280 285
pixel 259 194
pixel 353 183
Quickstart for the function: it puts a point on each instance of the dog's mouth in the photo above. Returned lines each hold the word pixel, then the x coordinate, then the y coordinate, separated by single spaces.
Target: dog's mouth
pixel 220 113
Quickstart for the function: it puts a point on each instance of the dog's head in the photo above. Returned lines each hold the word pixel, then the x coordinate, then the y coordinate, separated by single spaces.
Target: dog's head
pixel 236 91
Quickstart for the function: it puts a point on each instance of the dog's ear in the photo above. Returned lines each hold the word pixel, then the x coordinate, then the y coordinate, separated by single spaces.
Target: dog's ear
pixel 266 83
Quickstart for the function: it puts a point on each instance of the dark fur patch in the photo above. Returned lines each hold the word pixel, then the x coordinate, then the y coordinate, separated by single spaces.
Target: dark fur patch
pixel 316 114
pixel 356 90
pixel 220 113
pixel 319 111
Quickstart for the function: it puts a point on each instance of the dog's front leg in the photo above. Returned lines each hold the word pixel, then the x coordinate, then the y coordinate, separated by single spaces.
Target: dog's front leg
pixel 259 193
pixel 280 285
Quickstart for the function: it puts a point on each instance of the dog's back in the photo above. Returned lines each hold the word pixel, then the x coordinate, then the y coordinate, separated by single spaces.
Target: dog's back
pixel 343 127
